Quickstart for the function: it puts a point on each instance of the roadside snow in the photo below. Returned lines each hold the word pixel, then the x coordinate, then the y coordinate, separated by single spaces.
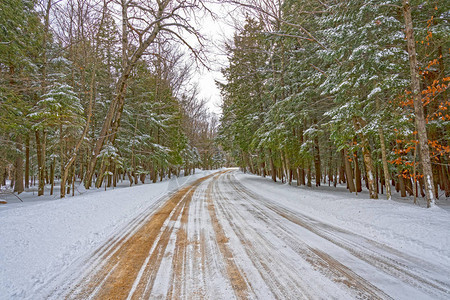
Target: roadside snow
pixel 39 239
pixel 411 229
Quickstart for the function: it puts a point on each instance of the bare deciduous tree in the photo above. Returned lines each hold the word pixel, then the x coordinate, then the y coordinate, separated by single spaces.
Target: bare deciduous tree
pixel 142 23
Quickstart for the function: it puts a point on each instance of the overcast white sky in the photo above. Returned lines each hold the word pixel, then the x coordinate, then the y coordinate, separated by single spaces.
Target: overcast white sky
pixel 217 31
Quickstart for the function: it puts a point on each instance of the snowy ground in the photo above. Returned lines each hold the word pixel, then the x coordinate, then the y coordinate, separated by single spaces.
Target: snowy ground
pixel 42 236
pixel 30 194
pixel 224 236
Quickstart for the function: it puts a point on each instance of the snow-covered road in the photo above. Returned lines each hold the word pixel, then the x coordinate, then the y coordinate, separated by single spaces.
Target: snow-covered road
pixel 218 239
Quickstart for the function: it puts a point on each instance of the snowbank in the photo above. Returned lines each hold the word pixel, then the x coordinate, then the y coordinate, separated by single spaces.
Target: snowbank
pixel 40 239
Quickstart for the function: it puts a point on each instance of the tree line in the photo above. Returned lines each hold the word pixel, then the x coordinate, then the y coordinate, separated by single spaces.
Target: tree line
pixel 351 92
pixel 99 91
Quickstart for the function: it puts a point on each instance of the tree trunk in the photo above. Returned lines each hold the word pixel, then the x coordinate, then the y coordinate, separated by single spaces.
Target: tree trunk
pixel 370 171
pixel 348 171
pixel 52 176
pixel 130 178
pixel 74 177
pixel 409 186
pixel 387 176
pixel 18 187
pixel 115 176
pixel 263 168
pixel 309 175
pixel 283 168
pixel 421 184
pixel 435 171
pixel 401 184
pixel 330 168
pixel 40 150
pixel 135 174
pixel 61 160
pixel 335 177
pixel 27 162
pixel 342 173
pixel 357 172
pixel 418 106
pixel 272 167
pixel 69 182
pixel 302 164
pixel 101 176
pixel 112 120
pixel 155 173
pixel 250 159
pixel 317 162
pixel 359 123
pixel 110 169
pixel 81 168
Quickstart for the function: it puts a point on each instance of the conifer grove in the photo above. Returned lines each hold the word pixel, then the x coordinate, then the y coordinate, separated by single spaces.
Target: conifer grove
pixel 342 92
pixel 315 92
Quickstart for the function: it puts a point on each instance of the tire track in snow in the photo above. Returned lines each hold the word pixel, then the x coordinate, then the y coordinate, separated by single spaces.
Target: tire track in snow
pixel 115 276
pixel 374 253
pixel 65 280
pixel 239 282
pixel 263 255
pixel 144 284
pixel 154 257
pixel 180 261
pixel 217 240
pixel 258 246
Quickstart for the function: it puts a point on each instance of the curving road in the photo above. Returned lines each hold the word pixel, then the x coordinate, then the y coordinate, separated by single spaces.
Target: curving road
pixel 215 239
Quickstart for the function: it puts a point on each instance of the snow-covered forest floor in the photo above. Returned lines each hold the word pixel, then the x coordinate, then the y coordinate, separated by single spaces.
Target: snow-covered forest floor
pixel 31 194
pixel 224 236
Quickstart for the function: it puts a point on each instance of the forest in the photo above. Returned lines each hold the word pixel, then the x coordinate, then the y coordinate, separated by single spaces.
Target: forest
pixel 86 98
pixel 342 92
pixel 316 92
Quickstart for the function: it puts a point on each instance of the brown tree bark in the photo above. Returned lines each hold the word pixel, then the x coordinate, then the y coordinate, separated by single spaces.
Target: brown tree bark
pixel 40 150
pixel 309 175
pixel 74 177
pixel 27 161
pixel 348 171
pixel 283 167
pixel 61 161
pixel 342 173
pixel 317 162
pixel 250 160
pixel 263 168
pixel 301 169
pixel 52 176
pixel 130 178
pixel 18 186
pixel 387 176
pixel 272 167
pixel 359 123
pixel 358 179
pixel 418 106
